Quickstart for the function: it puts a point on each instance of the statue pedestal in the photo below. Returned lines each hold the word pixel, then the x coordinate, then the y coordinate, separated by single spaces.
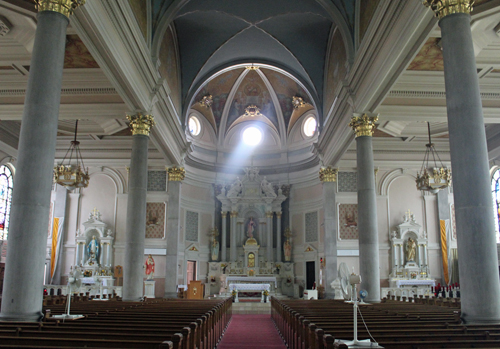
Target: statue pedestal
pixel 149 288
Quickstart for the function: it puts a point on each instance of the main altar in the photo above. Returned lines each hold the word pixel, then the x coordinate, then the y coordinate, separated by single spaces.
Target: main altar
pixel 251 210
pixel 410 273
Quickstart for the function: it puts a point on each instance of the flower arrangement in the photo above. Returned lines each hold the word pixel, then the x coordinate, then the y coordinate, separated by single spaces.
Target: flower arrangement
pixel 234 292
pixel 212 278
pixel 266 293
pixel 289 280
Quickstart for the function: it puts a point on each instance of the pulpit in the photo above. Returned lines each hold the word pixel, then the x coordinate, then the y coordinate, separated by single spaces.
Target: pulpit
pixel 195 290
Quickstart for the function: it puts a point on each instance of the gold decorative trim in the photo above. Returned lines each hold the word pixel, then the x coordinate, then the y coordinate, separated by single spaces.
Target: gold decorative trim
pixel 278 214
pixel 363 125
pixel 207 101
pixel 298 102
pixel 64 7
pixel 141 124
pixel 328 174
pixel 176 174
pixel 251 67
pixel 443 8
pixel 224 214
pixel 269 214
pixel 252 111
pixel 234 214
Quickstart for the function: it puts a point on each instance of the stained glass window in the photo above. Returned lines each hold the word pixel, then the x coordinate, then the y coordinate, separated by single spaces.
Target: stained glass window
pixel 495 190
pixel 5 200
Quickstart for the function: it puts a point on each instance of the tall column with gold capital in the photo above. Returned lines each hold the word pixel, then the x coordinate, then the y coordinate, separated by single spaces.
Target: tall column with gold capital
pixel 328 176
pixel 269 244
pixel 175 177
pixel 29 217
pixel 469 159
pixel 135 231
pixel 232 242
pixel 278 237
pixel 369 262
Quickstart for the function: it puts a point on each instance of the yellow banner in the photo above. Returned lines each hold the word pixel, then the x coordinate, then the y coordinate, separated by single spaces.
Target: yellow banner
pixel 55 230
pixel 444 250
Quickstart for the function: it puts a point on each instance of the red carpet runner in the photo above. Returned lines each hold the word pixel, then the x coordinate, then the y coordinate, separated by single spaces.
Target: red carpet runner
pixel 251 331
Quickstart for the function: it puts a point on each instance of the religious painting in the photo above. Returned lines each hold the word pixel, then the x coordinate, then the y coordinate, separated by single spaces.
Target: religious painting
pixel 140 8
pixel 429 58
pixel 366 11
pixel 348 222
pixel 155 220
pixel 77 55
pixel 169 66
pixel 336 69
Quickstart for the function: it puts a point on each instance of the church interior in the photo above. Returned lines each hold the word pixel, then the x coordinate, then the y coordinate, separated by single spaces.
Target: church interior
pixel 246 150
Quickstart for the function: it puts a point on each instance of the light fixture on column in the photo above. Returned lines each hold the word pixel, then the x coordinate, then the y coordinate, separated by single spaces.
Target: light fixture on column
pixel 72 175
pixel 433 178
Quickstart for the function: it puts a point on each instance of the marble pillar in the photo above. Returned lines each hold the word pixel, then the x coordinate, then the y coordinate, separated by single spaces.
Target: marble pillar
pixel 223 241
pixel 478 261
pixel 278 237
pixel 328 176
pixel 232 244
pixel 29 218
pixel 175 177
pixel 135 231
pixel 269 239
pixel 367 207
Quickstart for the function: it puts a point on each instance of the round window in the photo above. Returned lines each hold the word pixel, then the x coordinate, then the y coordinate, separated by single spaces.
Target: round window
pixel 310 126
pixel 252 136
pixel 194 125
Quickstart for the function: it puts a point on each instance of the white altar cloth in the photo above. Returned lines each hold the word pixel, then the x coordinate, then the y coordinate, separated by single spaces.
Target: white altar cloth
pixel 252 279
pixel 249 287
pixel 415 282
pixel 88 280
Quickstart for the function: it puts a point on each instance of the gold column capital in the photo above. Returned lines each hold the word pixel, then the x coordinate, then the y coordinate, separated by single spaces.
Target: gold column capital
pixel 141 124
pixel 269 214
pixel 443 8
pixel 234 214
pixel 176 174
pixel 64 7
pixel 363 125
pixel 278 214
pixel 328 174
pixel 224 214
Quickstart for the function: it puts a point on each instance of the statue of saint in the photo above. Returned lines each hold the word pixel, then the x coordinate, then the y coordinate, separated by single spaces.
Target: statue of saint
pixel 150 267
pixel 250 228
pixel 93 251
pixel 235 189
pixel 267 188
pixel 288 251
pixel 411 250
pixel 215 250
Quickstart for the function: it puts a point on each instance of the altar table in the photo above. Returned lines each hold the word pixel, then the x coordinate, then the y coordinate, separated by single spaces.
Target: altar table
pixel 252 279
pixel 414 282
pixel 249 287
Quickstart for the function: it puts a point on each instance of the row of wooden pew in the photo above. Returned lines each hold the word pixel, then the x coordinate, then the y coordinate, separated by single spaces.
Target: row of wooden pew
pixel 173 324
pixel 315 324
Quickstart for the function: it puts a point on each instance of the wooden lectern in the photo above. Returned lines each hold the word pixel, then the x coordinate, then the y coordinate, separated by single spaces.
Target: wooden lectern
pixel 195 290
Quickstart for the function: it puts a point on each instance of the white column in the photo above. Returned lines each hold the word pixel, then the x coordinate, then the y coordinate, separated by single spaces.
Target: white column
pixel 77 253
pixel 278 237
pixel 108 254
pixel 102 252
pixel 234 252
pixel 269 216
pixel 82 261
pixel 223 238
pixel 401 255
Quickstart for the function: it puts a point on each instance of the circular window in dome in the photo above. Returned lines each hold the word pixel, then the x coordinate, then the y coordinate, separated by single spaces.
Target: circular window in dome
pixel 310 126
pixel 252 136
pixel 194 125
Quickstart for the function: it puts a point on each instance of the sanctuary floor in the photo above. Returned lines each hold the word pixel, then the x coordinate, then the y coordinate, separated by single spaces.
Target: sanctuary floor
pixel 251 331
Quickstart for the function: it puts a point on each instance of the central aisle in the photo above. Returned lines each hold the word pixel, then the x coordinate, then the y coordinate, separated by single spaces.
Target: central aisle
pixel 251 331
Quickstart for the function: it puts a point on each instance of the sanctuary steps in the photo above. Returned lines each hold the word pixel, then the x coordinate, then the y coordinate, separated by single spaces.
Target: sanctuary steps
pixel 173 324
pixel 393 324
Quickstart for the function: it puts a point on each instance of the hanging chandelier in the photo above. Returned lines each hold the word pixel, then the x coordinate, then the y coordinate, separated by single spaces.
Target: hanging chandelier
pixel 433 178
pixel 71 175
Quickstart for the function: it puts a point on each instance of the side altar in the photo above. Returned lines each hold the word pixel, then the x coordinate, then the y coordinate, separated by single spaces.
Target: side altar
pixel 251 212
pixel 410 273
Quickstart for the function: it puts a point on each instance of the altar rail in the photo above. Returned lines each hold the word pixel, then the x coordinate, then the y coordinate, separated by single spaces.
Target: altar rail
pixel 172 324
pixel 316 324
pixel 94 290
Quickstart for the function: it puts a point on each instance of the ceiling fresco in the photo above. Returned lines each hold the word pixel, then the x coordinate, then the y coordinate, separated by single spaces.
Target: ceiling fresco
pixel 429 57
pixel 77 55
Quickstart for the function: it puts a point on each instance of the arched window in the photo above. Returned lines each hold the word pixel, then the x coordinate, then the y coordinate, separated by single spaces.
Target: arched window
pixel 495 190
pixel 5 200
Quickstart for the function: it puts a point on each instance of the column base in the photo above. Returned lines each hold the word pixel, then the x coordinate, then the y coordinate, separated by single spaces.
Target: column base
pixel 34 317
pixel 170 295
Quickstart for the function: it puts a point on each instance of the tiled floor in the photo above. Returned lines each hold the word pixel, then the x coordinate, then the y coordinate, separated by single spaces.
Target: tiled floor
pixel 251 308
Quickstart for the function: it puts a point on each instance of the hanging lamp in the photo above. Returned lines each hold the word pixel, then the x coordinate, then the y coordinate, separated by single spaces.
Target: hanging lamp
pixel 432 178
pixel 72 175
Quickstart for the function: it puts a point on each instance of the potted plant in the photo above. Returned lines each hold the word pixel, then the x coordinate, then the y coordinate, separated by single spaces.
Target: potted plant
pixel 266 294
pixel 234 292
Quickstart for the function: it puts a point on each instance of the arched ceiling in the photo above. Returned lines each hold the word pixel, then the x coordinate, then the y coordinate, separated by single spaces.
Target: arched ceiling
pixel 215 34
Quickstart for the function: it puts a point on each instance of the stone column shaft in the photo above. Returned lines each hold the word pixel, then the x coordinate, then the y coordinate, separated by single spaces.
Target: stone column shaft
pixel 135 233
pixel 367 208
pixel 269 249
pixel 278 238
pixel 232 244
pixel 477 251
pixel 224 238
pixel 175 176
pixel 29 217
pixel 328 176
